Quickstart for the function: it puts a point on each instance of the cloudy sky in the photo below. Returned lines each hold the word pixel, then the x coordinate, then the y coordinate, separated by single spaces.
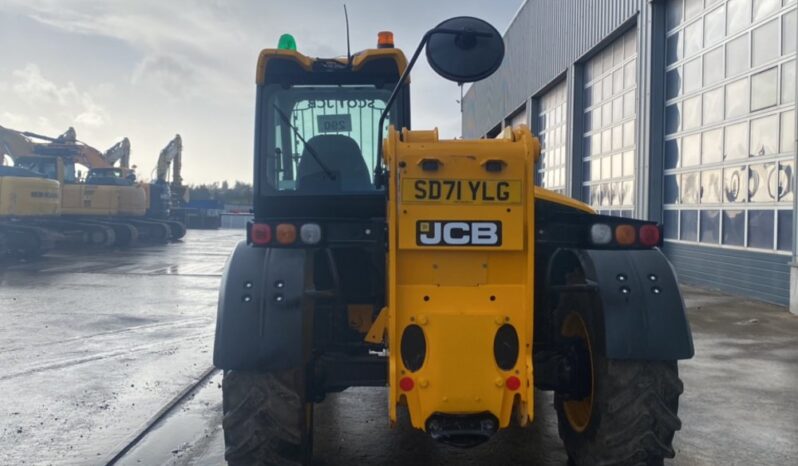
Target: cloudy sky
pixel 148 69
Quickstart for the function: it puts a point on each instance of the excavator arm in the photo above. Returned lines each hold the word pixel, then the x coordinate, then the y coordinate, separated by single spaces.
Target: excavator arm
pixel 119 152
pixel 68 145
pixel 170 157
pixel 14 144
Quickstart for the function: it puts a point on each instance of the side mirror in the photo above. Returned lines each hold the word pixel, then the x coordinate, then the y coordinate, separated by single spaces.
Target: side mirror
pixel 462 49
pixel 465 49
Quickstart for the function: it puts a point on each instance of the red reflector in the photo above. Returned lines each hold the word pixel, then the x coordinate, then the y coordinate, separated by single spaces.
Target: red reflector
pixel 261 233
pixel 513 383
pixel 406 384
pixel 649 235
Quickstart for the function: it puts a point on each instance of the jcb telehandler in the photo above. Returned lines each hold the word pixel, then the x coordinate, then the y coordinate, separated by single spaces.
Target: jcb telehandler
pixel 437 268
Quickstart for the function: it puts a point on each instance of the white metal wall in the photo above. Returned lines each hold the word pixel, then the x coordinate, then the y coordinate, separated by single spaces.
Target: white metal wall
pixel 730 123
pixel 609 147
pixel 552 130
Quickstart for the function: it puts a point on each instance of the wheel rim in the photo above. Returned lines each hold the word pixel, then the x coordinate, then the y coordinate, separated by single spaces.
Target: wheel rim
pixel 579 412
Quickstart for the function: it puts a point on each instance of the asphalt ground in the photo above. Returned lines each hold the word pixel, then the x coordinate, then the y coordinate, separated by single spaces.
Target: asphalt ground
pixel 93 344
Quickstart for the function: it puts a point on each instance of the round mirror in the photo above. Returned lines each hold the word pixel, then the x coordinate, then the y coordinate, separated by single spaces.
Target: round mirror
pixel 465 49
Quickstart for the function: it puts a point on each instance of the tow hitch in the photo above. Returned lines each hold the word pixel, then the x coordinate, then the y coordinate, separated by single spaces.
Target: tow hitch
pixel 462 430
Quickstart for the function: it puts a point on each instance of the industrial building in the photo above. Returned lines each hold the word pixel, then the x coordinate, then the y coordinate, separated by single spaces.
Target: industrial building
pixel 680 111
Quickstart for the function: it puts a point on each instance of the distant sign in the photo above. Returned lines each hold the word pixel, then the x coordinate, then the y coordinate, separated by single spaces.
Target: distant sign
pixel 335 123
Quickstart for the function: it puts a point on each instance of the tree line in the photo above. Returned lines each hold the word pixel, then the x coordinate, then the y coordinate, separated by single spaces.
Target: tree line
pixel 239 193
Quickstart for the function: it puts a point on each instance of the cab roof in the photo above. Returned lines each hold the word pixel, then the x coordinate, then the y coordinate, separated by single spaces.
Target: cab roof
pixel 270 57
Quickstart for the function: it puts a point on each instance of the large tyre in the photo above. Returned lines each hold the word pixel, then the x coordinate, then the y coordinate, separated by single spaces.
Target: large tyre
pixel 630 415
pixel 267 420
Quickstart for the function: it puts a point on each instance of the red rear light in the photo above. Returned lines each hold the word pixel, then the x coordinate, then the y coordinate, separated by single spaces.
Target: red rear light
pixel 649 235
pixel 406 384
pixel 261 233
pixel 513 383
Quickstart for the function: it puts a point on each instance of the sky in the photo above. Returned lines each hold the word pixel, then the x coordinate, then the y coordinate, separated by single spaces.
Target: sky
pixel 149 69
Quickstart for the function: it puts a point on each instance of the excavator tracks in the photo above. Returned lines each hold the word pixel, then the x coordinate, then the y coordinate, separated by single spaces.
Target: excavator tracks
pixel 31 238
pixel 22 241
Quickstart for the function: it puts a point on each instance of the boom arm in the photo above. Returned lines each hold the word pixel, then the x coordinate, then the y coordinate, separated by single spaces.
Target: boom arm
pixel 14 144
pixel 119 152
pixel 171 155
pixel 68 145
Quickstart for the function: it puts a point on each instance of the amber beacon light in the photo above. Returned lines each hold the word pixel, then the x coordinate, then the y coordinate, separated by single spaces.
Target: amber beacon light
pixel 385 40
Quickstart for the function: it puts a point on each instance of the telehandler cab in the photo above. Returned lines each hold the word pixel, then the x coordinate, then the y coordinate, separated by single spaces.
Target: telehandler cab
pixel 437 268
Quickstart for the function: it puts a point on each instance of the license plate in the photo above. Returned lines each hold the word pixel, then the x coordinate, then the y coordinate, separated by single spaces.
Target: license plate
pixel 461 191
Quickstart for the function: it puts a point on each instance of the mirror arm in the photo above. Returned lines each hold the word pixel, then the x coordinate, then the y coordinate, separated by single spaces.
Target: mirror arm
pixel 379 169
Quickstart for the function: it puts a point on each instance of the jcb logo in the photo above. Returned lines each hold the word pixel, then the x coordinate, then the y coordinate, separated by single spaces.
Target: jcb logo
pixel 458 233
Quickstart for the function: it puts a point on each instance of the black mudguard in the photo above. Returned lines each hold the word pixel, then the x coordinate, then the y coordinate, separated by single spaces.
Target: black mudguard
pixel 641 306
pixel 262 319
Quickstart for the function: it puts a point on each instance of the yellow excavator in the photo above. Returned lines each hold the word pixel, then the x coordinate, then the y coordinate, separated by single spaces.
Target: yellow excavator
pixel 25 196
pixel 160 197
pixel 172 189
pixel 172 157
pixel 108 205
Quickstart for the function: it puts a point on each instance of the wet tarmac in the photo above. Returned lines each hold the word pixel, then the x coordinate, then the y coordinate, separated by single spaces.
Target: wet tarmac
pixel 92 347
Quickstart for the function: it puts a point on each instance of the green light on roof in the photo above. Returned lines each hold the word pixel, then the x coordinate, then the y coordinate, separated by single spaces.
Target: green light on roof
pixel 287 42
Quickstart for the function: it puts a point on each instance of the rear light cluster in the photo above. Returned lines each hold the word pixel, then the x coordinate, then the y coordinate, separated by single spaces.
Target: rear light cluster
pixel 628 235
pixel 284 234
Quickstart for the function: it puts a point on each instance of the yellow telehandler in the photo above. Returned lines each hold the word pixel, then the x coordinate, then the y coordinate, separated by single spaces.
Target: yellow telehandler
pixel 436 268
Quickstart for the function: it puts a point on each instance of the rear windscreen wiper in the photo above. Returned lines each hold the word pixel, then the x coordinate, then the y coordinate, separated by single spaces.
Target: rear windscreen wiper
pixel 310 148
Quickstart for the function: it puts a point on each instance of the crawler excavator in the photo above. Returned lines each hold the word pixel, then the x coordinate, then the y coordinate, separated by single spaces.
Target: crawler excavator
pixel 171 157
pixel 436 269
pixel 160 201
pixel 108 206
pixel 174 190
pixel 25 197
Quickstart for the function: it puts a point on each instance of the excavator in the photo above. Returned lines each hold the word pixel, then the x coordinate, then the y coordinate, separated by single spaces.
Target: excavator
pixel 108 206
pixel 160 199
pixel 171 193
pixel 25 196
pixel 172 156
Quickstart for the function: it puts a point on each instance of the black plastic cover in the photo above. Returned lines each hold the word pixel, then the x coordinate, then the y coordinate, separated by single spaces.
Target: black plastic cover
pixel 642 307
pixel 262 309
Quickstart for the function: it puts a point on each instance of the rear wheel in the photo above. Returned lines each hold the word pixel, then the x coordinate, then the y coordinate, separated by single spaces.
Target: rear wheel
pixel 629 415
pixel 267 419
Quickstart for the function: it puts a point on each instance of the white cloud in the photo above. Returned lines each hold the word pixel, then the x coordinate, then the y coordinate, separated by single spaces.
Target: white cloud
pixel 179 39
pixel 169 75
pixel 188 66
pixel 32 87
